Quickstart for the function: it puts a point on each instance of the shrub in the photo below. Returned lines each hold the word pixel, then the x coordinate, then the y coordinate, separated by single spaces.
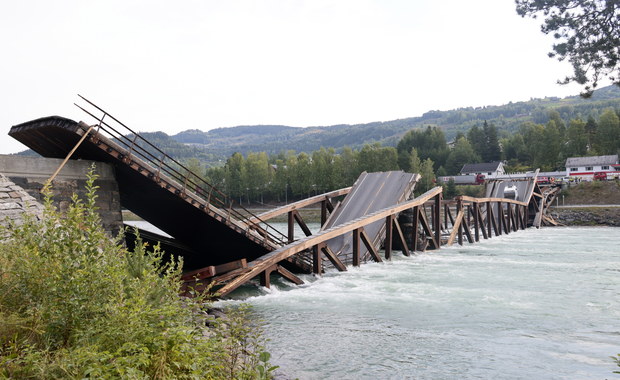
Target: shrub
pixel 74 303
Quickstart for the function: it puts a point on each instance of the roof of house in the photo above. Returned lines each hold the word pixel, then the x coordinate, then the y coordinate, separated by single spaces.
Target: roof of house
pixel 591 161
pixel 481 167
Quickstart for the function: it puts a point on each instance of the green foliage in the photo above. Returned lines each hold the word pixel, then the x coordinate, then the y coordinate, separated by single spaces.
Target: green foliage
pixel 587 34
pixel 429 143
pixel 74 303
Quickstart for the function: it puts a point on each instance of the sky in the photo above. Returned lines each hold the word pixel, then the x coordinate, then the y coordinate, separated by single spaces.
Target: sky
pixel 201 64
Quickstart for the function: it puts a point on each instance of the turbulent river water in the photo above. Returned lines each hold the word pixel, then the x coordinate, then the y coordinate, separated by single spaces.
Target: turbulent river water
pixel 535 304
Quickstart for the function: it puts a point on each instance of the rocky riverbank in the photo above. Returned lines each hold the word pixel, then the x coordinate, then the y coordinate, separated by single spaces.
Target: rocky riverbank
pixel 587 216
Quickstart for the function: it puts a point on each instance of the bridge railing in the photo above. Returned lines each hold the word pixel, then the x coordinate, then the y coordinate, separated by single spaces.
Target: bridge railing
pixel 140 147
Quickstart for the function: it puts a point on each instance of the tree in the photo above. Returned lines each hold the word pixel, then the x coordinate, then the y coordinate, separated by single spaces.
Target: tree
pixel 235 173
pixel 608 136
pixel 552 144
pixel 492 151
pixel 427 181
pixel 576 139
pixel 587 34
pixel 461 154
pixel 429 143
pixel 414 161
pixel 375 158
pixel 591 128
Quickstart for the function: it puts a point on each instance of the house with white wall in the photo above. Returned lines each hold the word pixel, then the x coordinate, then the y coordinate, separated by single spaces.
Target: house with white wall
pixel 585 167
pixel 489 169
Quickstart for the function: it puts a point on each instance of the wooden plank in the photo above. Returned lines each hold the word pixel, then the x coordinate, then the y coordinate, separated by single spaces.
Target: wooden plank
pixel 237 264
pixel 199 274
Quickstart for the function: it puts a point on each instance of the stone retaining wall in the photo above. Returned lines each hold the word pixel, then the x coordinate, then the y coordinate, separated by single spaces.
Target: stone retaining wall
pixel 15 201
pixel 31 173
pixel 592 216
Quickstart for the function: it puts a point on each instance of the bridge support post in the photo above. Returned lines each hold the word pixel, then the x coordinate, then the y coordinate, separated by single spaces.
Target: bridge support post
pixel 389 220
pixel 500 217
pixel 437 219
pixel 459 210
pixel 476 221
pixel 317 260
pixel 489 219
pixel 291 227
pixel 356 247
pixel 414 229
pixel 265 276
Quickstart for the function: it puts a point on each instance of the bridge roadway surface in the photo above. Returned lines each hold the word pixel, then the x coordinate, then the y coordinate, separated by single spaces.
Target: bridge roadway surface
pixel 371 192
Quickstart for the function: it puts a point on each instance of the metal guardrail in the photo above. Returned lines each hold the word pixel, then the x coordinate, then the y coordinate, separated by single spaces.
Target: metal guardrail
pixel 140 147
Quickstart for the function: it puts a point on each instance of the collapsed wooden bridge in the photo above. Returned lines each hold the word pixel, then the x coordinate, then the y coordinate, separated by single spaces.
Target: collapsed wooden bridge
pixel 225 246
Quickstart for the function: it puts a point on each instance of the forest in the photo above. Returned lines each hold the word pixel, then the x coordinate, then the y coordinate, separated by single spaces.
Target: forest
pixel 258 177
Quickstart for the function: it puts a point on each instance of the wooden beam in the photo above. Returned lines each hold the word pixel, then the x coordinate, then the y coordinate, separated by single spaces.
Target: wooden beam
pixel 333 258
pixel 371 248
pixel 301 223
pixel 291 226
pixel 401 236
pixel 297 205
pixel 317 260
pixel 427 229
pixel 288 275
pixel 475 211
pixel 493 221
pixel 455 228
pixel 481 221
pixel 265 276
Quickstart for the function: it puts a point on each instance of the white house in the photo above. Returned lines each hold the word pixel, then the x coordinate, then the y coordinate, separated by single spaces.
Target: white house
pixel 489 169
pixel 585 167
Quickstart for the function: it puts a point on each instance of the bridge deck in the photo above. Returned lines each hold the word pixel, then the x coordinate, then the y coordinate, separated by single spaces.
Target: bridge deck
pixel 212 233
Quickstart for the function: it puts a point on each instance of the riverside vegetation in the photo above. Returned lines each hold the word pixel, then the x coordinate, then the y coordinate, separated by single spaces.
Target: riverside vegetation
pixel 75 303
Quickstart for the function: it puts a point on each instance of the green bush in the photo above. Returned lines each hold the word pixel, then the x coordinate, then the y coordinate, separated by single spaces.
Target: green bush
pixel 74 303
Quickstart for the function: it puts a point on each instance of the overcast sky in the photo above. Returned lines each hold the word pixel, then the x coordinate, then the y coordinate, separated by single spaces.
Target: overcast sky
pixel 177 65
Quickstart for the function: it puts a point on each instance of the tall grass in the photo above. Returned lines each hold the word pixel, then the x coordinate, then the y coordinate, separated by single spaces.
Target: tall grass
pixel 74 303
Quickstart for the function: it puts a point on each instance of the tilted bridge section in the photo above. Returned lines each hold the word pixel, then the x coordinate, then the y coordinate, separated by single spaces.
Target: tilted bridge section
pixel 225 245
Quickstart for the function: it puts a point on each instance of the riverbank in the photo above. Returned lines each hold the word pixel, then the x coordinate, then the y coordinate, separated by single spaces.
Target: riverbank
pixel 587 216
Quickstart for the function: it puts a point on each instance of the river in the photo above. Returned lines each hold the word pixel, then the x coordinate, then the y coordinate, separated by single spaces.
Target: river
pixel 535 304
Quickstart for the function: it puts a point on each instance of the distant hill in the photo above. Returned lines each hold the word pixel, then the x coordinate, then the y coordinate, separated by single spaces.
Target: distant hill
pixel 223 142
pixel 215 146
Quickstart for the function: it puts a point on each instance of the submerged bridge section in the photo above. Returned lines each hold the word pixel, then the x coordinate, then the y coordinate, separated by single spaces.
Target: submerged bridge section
pixel 226 246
